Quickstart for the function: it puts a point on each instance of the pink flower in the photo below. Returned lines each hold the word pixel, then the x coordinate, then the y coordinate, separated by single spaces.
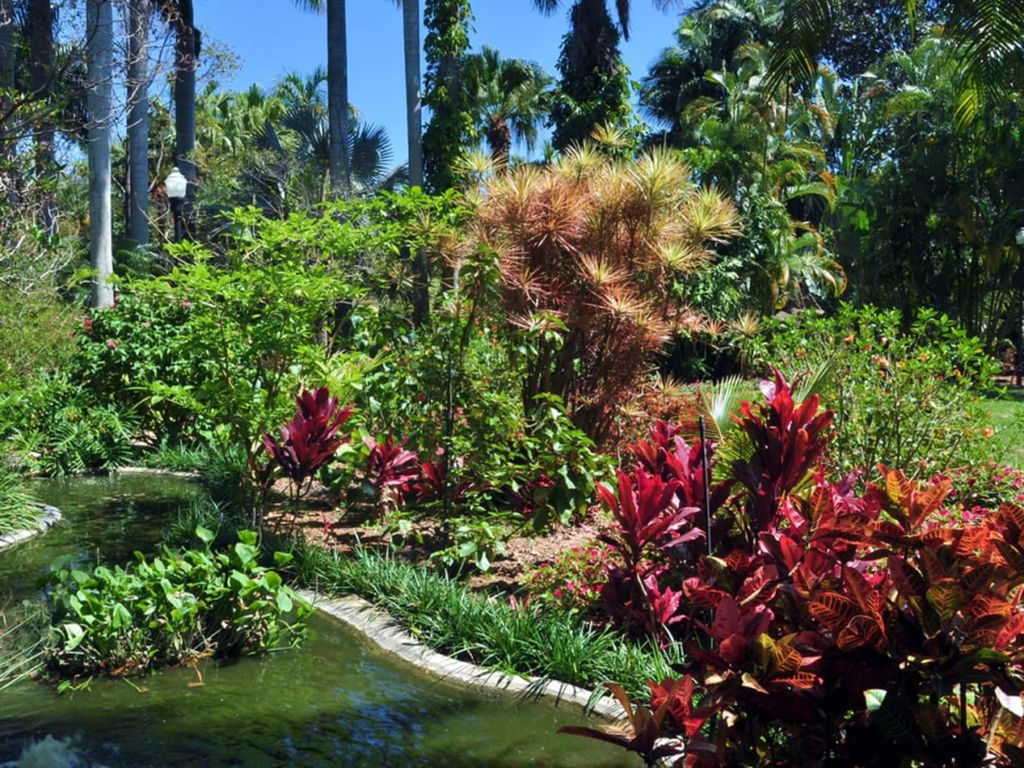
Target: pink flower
pixel 186 304
pixel 87 322
pixel 440 450
pixel 111 343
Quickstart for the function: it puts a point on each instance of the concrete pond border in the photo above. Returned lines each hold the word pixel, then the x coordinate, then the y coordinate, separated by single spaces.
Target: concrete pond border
pixel 387 634
pixel 50 517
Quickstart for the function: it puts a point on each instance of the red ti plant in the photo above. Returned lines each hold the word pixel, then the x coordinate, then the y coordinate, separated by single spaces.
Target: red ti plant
pixel 432 482
pixel 788 441
pixel 389 466
pixel 307 442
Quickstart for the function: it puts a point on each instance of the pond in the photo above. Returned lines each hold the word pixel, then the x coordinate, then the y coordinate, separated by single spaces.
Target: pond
pixel 336 701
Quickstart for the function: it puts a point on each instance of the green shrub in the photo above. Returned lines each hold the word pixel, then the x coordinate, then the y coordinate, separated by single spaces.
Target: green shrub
pixel 907 395
pixel 35 335
pixel 169 609
pixel 57 427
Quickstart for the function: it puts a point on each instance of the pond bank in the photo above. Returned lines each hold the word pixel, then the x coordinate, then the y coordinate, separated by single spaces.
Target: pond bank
pixel 389 635
pixel 49 518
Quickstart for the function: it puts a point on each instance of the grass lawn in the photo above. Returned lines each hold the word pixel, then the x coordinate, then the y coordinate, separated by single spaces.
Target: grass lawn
pixel 1007 414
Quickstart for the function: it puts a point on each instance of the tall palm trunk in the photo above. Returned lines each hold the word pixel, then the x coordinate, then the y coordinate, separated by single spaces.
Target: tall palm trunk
pixel 186 59
pixel 337 96
pixel 413 105
pixel 414 125
pixel 40 22
pixel 100 47
pixel 138 121
pixel 7 58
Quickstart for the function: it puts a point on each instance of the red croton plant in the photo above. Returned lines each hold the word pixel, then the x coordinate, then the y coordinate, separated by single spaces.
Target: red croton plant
pixel 826 627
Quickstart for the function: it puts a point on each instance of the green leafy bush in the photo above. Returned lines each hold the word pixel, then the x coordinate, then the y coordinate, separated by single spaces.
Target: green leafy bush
pixel 169 609
pixel 35 335
pixel 57 427
pixel 908 395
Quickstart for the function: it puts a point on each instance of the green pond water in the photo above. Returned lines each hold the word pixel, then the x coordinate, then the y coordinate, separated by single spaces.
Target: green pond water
pixel 336 701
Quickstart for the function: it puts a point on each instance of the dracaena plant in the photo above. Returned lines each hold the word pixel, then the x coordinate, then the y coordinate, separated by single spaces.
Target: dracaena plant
pixel 390 467
pixel 306 443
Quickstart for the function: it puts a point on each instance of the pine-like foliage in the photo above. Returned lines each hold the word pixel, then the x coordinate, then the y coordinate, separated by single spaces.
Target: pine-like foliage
pixel 588 249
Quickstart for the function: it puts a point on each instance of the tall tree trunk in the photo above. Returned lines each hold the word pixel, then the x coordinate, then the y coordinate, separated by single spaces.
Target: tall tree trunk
pixel 337 96
pixel 100 47
pixel 414 125
pixel 186 59
pixel 138 121
pixel 8 178
pixel 40 23
pixel 413 105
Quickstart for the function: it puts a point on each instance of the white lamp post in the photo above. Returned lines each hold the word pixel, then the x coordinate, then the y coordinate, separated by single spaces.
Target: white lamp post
pixel 177 189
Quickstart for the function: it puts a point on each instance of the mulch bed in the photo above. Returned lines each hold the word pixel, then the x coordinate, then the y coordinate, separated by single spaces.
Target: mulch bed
pixel 321 522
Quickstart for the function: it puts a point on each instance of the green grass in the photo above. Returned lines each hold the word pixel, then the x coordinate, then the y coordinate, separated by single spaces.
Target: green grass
pixel 17 510
pixel 445 615
pixel 1007 418
pixel 21 643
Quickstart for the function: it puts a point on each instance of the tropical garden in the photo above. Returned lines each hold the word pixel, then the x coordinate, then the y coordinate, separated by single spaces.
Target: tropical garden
pixel 697 388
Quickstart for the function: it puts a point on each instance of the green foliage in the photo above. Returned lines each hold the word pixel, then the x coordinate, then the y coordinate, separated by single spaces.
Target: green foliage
pixel 495 633
pixel 35 335
pixel 571 584
pixel 906 395
pixel 447 24
pixel 170 609
pixel 225 346
pixel 57 427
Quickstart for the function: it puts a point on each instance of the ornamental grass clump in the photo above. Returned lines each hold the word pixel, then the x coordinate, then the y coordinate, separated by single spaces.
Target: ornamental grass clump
pixel 590 249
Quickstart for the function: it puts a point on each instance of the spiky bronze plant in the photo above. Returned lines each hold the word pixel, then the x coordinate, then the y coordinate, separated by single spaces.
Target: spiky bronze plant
pixel 598 243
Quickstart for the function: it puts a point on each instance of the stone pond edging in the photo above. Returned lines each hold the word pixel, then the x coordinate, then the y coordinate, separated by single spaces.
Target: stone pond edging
pixel 51 516
pixel 185 475
pixel 383 631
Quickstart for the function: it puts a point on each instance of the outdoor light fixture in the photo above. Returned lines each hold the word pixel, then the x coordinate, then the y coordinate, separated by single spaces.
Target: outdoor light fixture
pixel 1020 236
pixel 177 189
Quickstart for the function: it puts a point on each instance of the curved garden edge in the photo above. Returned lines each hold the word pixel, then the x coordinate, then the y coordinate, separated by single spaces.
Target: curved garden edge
pixel 133 470
pixel 50 517
pixel 386 633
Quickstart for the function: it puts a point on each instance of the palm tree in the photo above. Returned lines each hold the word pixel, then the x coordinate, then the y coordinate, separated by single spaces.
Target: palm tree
pixel 43 65
pixel 368 153
pixel 413 103
pixel 100 48
pixel 138 121
pixel 180 14
pixel 986 36
pixel 337 90
pixel 622 9
pixel 8 58
pixel 511 99
pixel 706 40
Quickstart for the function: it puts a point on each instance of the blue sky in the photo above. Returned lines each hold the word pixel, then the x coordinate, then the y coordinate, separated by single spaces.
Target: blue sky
pixel 273 37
